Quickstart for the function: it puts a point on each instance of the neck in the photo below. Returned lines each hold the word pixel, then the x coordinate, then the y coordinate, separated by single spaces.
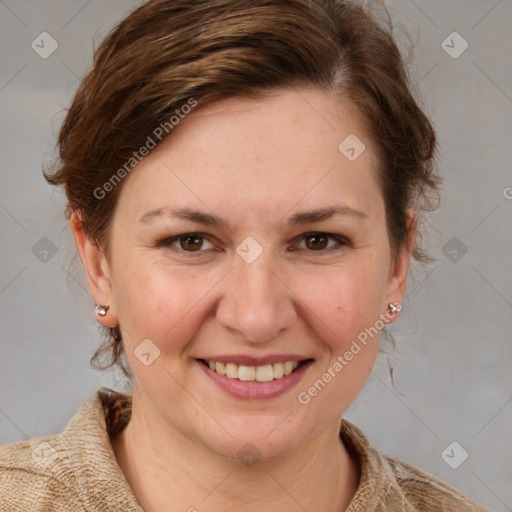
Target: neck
pixel 163 466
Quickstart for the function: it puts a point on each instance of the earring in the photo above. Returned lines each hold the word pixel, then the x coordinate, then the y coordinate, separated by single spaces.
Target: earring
pixel 101 310
pixel 395 307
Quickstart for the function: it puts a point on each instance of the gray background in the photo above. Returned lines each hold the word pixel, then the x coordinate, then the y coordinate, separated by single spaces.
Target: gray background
pixel 452 364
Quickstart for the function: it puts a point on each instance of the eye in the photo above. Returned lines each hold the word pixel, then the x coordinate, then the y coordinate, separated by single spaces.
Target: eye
pixel 317 242
pixel 188 242
pixel 194 242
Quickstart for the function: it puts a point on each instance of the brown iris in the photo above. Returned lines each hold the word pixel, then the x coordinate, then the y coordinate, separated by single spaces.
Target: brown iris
pixel 191 242
pixel 319 241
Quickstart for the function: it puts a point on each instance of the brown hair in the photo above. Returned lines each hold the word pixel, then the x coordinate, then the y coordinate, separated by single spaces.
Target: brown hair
pixel 167 52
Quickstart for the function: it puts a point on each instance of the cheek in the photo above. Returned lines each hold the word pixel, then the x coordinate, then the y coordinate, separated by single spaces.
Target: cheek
pixel 345 297
pixel 157 303
pixel 345 306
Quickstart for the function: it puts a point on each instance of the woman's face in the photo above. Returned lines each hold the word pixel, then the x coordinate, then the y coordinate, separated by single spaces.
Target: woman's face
pixel 251 288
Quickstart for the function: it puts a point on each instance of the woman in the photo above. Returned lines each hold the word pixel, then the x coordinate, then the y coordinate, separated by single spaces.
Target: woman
pixel 245 183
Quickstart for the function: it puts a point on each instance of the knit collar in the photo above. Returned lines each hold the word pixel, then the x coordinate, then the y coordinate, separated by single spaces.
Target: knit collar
pixel 100 481
pixel 103 486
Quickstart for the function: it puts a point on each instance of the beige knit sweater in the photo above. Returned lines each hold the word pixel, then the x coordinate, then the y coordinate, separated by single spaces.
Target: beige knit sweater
pixel 77 471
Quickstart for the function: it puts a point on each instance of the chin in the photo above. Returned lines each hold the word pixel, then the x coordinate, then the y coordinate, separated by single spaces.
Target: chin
pixel 260 438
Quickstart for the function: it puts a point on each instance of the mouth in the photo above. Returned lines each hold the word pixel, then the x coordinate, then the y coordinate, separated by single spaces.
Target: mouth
pixel 262 373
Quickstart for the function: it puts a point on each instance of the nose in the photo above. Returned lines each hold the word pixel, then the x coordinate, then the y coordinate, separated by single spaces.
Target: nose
pixel 257 304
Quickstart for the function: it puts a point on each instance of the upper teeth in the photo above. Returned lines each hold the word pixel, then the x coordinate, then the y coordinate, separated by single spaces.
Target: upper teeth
pixel 264 373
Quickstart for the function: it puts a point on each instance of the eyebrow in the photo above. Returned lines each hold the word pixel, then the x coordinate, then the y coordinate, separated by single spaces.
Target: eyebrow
pixel 207 219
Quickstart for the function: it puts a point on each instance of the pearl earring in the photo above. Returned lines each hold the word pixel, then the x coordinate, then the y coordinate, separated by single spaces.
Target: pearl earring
pixel 395 307
pixel 101 310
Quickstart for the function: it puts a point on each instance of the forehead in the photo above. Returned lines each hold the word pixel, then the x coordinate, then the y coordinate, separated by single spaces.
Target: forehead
pixel 266 153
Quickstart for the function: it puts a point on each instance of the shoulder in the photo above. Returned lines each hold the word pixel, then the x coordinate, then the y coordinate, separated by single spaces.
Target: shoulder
pixel 426 492
pixel 34 476
pixel 73 471
pixel 387 483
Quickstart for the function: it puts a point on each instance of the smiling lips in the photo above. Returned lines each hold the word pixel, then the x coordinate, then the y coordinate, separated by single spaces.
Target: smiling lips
pixel 250 378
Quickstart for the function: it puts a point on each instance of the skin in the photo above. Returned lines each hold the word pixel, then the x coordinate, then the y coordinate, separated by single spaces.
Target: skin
pixel 280 156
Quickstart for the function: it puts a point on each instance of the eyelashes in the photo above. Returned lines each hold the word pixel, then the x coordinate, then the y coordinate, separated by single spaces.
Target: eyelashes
pixel 192 243
pixel 194 237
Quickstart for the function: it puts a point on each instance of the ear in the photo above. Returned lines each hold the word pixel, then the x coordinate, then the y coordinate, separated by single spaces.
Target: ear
pixel 397 282
pixel 96 270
